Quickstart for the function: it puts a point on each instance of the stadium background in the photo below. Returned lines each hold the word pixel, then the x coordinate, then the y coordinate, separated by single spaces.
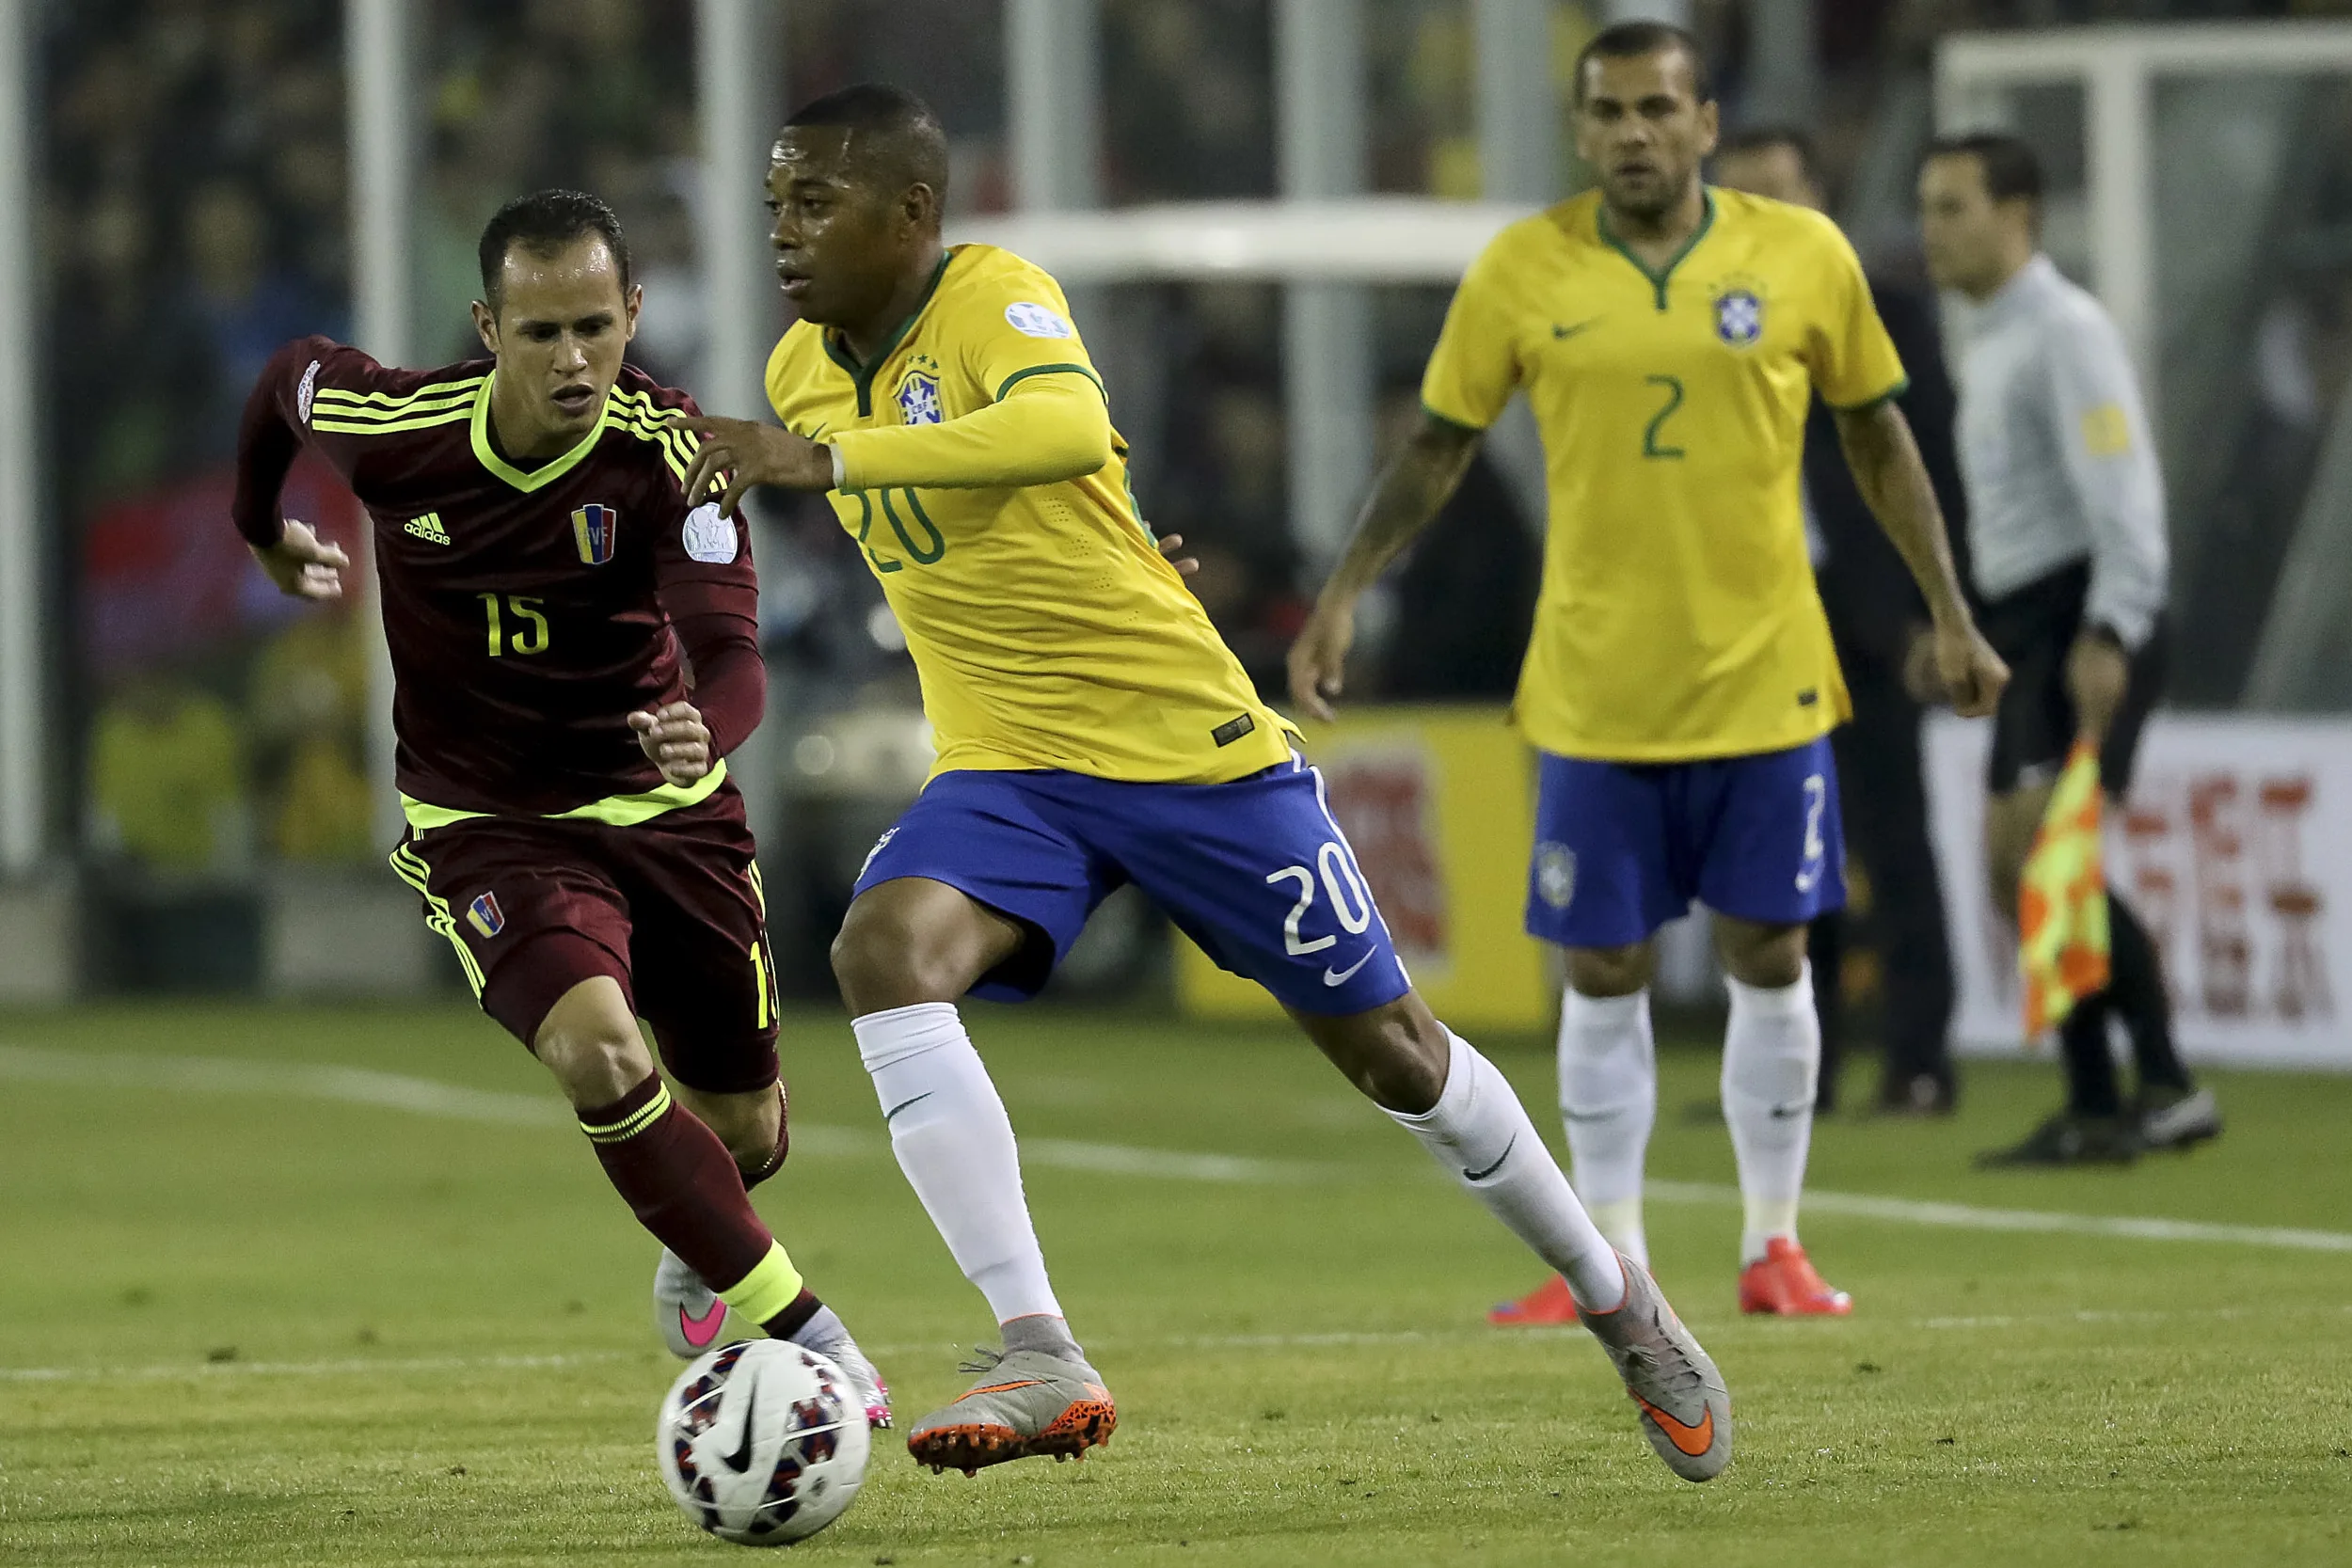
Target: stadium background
pixel 300 1261
pixel 196 793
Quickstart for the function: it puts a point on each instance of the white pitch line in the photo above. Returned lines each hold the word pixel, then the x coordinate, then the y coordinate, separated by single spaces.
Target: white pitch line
pixel 454 1101
pixel 300 1080
pixel 430 1097
pixel 352 1366
pixel 1966 1216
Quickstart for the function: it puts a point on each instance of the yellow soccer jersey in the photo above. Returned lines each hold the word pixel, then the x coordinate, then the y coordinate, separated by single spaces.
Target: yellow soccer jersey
pixel 1046 628
pixel 1679 618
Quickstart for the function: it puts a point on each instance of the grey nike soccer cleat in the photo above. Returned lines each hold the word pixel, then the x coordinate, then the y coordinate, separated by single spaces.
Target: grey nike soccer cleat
pixel 686 1313
pixel 2176 1119
pixel 1686 1410
pixel 1026 1404
pixel 829 1336
pixel 691 1319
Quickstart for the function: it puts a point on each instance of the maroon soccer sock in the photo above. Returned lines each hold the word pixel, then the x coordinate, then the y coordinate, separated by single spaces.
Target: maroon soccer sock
pixel 680 1181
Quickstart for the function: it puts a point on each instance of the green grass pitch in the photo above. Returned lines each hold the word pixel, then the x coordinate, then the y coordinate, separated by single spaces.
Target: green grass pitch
pixel 241 1325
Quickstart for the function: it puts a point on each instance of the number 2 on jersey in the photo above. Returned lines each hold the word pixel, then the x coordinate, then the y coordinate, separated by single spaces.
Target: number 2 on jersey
pixel 1651 445
pixel 531 637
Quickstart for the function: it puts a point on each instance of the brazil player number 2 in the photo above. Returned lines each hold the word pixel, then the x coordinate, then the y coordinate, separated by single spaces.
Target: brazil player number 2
pixel 1653 441
pixel 1816 851
pixel 1349 901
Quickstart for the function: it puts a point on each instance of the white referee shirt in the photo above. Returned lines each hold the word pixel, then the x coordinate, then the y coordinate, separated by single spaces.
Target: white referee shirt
pixel 2056 452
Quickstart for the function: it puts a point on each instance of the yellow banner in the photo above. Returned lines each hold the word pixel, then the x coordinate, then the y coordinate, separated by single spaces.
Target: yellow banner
pixel 1439 805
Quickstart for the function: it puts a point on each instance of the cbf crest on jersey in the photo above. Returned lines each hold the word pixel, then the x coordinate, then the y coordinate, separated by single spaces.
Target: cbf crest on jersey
pixel 1738 316
pixel 918 394
pixel 595 531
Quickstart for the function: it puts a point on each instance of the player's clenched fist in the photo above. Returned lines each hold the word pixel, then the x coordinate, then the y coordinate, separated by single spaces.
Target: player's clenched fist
pixel 1971 673
pixel 675 740
pixel 302 565
pixel 744 452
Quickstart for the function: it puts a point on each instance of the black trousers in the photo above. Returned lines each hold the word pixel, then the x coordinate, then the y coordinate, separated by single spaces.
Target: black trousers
pixel 1882 781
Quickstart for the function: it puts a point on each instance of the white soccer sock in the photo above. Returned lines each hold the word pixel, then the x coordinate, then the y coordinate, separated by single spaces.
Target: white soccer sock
pixel 1772 1057
pixel 1479 1131
pixel 1609 1099
pixel 951 1135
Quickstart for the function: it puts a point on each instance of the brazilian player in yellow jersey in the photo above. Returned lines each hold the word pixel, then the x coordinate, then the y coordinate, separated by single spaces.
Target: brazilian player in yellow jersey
pixel 1680 684
pixel 1092 731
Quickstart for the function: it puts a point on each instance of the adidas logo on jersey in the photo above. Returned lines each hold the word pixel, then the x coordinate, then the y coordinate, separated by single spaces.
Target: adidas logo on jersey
pixel 427 527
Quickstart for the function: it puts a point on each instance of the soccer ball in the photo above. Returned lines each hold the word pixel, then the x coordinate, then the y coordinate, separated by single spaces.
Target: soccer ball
pixel 763 1443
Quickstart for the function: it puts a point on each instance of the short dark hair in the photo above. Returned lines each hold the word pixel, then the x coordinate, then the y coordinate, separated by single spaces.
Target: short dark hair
pixel 2011 171
pixel 914 148
pixel 543 223
pixel 1629 40
pixel 1763 138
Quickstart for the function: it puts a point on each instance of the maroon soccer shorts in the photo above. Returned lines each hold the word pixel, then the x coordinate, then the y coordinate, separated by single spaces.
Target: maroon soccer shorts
pixel 671 908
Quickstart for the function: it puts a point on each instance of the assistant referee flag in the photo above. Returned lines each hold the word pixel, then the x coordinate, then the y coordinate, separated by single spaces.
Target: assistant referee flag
pixel 2062 899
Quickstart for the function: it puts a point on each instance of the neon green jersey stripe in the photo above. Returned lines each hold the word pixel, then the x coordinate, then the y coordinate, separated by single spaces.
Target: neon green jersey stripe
pixel 391 427
pixel 434 391
pixel 618 811
pixel 392 408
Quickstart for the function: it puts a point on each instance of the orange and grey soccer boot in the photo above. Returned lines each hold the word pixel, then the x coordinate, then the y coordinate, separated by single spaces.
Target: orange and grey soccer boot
pixel 1548 1306
pixel 1685 1409
pixel 1027 1403
pixel 1784 1284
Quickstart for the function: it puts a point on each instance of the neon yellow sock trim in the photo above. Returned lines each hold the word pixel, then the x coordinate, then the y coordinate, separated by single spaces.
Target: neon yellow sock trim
pixel 768 1290
pixel 632 1124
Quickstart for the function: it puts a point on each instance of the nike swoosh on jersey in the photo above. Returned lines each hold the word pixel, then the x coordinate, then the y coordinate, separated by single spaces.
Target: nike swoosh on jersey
pixel 739 1459
pixel 1482 1175
pixel 1341 976
pixel 701 1331
pixel 1561 333
pixel 1791 1109
pixel 904 1103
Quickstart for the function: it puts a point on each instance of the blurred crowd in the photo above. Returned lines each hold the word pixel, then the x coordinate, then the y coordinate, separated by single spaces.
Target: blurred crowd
pixel 195 216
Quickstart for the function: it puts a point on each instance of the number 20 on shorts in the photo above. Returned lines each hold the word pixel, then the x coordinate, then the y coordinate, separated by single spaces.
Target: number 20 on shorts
pixel 1349 901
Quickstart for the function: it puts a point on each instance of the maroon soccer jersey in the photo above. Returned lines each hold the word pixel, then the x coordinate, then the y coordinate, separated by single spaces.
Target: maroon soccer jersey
pixel 529 611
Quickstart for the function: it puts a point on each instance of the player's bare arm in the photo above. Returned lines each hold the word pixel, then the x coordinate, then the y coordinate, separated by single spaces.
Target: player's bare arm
pixel 1886 467
pixel 1410 490
pixel 302 565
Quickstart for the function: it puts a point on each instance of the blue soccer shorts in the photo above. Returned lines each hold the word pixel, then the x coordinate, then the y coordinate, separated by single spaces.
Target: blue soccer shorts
pixel 1621 849
pixel 1256 871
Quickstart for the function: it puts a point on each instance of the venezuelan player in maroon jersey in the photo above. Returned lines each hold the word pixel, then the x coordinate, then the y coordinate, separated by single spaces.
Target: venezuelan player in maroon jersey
pixel 574 655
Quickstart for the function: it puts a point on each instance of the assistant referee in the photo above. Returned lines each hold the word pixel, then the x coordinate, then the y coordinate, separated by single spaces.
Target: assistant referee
pixel 2067 542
